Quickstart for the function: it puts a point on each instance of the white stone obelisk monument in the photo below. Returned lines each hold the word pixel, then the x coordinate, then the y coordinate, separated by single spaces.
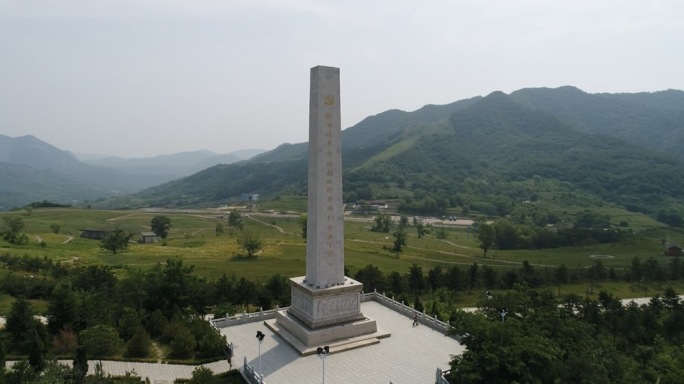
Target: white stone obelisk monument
pixel 325 227
pixel 326 305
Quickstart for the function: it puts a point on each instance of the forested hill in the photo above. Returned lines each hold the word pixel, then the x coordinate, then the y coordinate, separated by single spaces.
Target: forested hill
pixel 620 148
pixel 650 120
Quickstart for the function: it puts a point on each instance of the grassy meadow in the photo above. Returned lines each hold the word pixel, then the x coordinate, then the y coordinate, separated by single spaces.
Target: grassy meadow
pixel 193 238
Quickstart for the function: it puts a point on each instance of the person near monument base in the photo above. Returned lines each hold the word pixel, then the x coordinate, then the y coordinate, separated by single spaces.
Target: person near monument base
pixel 415 318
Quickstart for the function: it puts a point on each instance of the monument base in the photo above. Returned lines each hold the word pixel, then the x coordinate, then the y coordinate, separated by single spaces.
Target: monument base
pixel 338 338
pixel 325 316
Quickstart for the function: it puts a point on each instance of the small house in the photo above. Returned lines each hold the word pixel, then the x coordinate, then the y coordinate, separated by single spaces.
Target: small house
pixel 95 234
pixel 148 237
pixel 249 197
pixel 673 250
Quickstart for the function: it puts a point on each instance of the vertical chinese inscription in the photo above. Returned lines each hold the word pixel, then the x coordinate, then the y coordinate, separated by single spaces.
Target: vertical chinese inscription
pixel 325 233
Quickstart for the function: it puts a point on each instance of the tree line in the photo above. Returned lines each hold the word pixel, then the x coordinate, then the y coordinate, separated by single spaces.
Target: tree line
pixel 586 228
pixel 92 311
pixel 529 336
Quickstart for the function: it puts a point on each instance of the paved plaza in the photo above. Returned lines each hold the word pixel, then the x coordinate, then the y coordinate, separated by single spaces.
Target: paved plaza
pixel 410 356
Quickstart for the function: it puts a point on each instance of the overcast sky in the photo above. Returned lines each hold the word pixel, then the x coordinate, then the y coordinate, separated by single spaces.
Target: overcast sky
pixel 139 78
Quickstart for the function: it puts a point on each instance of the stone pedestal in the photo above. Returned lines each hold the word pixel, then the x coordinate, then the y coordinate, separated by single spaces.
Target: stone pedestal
pixel 325 316
pixel 318 307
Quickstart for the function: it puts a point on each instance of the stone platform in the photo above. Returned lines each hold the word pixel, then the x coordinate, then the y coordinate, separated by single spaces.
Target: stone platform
pixel 338 338
pixel 322 316
pixel 410 356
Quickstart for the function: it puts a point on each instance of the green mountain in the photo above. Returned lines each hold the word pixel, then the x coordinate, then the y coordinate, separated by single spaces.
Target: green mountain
pixel 651 120
pixel 477 153
pixel 32 170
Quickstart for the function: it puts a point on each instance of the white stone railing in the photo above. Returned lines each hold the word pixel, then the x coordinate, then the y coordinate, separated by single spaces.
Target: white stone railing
pixel 250 374
pixel 244 318
pixel 400 307
pixel 439 377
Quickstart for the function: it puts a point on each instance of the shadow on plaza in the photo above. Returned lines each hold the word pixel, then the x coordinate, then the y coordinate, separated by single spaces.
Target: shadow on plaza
pixel 275 358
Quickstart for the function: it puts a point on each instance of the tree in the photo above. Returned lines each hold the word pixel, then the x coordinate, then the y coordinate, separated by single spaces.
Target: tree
pixel 100 340
pixel 670 298
pixel 202 375
pixel 490 276
pixel 37 346
pixel 219 229
pixel 128 323
pixel 156 323
pixel 80 365
pixel 486 235
pixel 3 358
pixel 506 236
pixel 209 342
pixel 588 219
pixel 416 280
pixel 396 283
pixel 455 280
pixel 20 325
pixel 14 230
pixel 636 270
pixel 399 240
pixel 116 241
pixel 527 273
pixel 371 277
pixel 670 216
pixel 675 268
pixel 561 276
pixel 172 285
pixel 250 242
pixel 277 286
pixel 20 373
pixel 65 342
pixel 420 230
pixel 55 228
pixel 383 223
pixel 161 226
pixel 63 309
pixel 139 345
pixel 245 292
pixel 472 277
pixel 303 223
pixel 435 278
pixel 183 343
pixel 418 305
pixel 235 219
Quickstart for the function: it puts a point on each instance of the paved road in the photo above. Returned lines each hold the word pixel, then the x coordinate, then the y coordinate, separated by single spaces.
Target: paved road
pixel 157 373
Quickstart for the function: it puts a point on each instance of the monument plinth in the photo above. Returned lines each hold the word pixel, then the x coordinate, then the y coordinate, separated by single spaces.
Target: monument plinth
pixel 326 305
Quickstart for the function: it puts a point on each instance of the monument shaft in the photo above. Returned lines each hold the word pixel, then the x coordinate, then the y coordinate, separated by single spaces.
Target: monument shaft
pixel 326 305
pixel 325 227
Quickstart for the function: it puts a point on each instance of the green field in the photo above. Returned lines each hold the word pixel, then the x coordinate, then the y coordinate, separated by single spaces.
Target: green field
pixel 193 238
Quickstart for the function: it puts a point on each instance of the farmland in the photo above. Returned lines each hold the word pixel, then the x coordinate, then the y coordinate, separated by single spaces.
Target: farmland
pixel 194 239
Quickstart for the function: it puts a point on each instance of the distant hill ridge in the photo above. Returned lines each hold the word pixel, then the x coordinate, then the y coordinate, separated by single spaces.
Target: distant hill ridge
pixel 622 148
pixel 33 170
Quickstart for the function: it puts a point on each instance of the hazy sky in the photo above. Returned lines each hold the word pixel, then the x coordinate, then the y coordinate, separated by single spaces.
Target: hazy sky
pixel 139 78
